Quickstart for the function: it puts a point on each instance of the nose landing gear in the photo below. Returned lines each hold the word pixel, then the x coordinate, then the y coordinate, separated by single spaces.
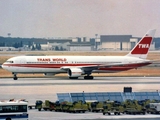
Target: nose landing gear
pixel 15 76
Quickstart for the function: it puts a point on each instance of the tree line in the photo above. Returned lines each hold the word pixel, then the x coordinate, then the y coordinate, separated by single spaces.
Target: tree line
pixel 31 46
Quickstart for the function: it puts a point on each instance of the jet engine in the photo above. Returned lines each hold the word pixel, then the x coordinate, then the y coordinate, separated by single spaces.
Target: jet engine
pixel 49 74
pixel 75 72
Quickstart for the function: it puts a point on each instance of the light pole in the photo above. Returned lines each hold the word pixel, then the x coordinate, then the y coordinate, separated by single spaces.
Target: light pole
pixel 9 34
pixel 96 41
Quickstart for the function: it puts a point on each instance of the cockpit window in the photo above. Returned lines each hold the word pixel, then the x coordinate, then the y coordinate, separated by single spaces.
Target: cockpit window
pixel 9 61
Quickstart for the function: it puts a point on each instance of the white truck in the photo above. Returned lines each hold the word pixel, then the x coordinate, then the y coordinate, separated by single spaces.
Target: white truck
pixel 154 108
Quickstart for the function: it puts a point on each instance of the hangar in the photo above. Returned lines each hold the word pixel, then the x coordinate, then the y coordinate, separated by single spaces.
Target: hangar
pixel 117 42
pixel 80 47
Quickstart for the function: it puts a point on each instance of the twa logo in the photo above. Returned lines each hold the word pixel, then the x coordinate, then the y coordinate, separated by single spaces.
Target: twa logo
pixel 143 45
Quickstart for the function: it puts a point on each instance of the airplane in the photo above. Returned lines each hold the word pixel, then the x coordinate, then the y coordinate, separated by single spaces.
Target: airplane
pixel 77 66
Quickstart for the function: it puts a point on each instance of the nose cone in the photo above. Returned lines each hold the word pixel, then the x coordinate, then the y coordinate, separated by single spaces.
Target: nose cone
pixel 2 66
pixel 5 67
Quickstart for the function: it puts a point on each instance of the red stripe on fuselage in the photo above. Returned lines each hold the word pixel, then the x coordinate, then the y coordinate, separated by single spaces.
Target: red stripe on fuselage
pixel 48 65
pixel 114 68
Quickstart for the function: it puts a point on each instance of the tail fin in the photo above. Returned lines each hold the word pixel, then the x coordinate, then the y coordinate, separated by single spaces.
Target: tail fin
pixel 142 47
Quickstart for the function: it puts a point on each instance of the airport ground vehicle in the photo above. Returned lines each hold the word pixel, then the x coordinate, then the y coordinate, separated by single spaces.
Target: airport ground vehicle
pixel 78 107
pixel 38 105
pixel 133 107
pixel 153 108
pixel 12 110
pixel 95 106
pixel 47 105
pixel 65 106
pixel 75 107
pixel 51 106
pixel 113 107
pixel 58 106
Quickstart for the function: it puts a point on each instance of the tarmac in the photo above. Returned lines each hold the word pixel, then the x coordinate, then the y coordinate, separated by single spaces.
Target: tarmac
pixel 33 89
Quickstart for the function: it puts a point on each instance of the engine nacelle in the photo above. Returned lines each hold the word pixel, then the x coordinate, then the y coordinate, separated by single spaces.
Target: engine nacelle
pixel 49 74
pixel 75 72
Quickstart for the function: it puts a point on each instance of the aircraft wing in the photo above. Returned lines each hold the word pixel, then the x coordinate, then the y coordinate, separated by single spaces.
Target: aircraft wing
pixel 87 66
pixel 94 67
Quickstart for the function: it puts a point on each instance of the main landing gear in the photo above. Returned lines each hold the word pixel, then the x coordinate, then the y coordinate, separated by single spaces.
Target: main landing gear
pixel 85 77
pixel 88 77
pixel 15 76
pixel 73 77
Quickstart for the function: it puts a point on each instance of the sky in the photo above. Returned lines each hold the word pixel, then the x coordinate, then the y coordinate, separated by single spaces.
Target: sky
pixel 78 18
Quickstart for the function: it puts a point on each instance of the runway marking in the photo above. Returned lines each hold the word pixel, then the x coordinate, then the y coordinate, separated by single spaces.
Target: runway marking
pixel 86 83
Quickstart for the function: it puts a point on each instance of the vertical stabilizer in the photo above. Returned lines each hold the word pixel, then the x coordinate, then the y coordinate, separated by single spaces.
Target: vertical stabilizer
pixel 142 47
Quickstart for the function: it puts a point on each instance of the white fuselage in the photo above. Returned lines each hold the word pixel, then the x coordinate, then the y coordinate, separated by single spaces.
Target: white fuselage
pixel 53 64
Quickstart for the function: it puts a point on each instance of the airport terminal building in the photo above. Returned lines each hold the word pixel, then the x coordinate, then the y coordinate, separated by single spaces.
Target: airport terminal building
pixel 103 42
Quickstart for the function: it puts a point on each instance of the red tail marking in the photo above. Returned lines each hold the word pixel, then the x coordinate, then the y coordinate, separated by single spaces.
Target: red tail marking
pixel 143 46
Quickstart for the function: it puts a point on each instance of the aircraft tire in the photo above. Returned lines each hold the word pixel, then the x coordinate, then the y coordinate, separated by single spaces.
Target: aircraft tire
pixel 73 77
pixel 88 77
pixel 15 78
pixel 8 118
